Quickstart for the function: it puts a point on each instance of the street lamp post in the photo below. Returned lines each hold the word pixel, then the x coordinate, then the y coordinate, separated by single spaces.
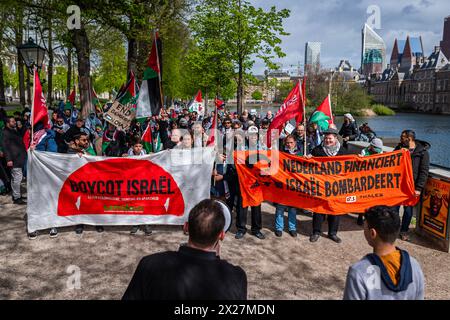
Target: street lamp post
pixel 33 56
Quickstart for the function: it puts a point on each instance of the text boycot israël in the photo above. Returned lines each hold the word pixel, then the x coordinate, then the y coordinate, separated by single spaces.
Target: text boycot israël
pixel 162 185
pixel 367 182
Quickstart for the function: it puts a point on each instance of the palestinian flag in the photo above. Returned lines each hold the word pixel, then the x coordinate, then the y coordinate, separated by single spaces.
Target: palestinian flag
pixel 197 104
pixel 129 92
pixel 147 139
pixel 220 105
pixel 323 115
pixel 149 101
pixel 70 103
pixel 95 101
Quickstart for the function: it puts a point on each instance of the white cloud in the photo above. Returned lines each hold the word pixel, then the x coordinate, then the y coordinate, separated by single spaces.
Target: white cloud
pixel 338 23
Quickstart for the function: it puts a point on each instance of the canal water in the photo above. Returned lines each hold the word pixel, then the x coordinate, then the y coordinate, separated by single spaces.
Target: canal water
pixel 435 129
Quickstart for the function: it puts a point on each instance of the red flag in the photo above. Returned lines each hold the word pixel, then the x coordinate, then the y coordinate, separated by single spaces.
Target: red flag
pixel 71 97
pixel 39 107
pixel 27 139
pixel 325 107
pixel 198 98
pixel 291 108
pixel 212 132
pixel 219 104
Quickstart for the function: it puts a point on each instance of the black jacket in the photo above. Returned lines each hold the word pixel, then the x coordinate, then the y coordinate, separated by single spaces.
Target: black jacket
pixel 13 147
pixel 350 130
pixel 319 152
pixel 188 274
pixel 420 163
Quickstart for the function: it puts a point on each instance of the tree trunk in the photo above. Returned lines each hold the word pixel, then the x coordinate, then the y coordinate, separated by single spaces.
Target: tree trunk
pixel 143 52
pixel 206 103
pixel 20 65
pixel 2 84
pixel 69 71
pixel 240 84
pixel 240 89
pixel 2 81
pixel 28 89
pixel 81 44
pixel 50 65
pixel 132 57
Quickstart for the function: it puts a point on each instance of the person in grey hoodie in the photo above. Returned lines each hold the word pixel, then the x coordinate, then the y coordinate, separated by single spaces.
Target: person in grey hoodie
pixel 388 273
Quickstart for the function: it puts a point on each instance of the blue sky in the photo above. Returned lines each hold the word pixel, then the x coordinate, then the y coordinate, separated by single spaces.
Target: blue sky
pixel 338 23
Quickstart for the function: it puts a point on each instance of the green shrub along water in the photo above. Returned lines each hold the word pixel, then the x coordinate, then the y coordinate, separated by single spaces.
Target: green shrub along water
pixel 382 110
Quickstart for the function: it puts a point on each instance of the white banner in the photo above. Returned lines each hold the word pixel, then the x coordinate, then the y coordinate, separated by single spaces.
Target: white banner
pixel 66 189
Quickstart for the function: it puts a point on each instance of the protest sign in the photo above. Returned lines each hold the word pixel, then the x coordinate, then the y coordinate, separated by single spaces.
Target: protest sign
pixel 66 190
pixel 435 207
pixel 120 115
pixel 329 185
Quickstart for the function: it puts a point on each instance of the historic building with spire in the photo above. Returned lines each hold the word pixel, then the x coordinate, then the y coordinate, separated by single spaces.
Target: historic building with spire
pixel 414 81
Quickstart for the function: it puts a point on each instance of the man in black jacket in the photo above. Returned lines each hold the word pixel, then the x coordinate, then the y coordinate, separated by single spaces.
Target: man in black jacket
pixel 330 147
pixel 15 156
pixel 420 165
pixel 195 271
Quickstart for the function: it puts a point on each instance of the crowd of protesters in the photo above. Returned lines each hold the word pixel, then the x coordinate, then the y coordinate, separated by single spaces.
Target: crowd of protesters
pixel 401 275
pixel 177 127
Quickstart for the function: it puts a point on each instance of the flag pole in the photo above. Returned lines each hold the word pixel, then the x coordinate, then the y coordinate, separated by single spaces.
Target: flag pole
pixel 32 105
pixel 304 119
pixel 331 110
pixel 159 70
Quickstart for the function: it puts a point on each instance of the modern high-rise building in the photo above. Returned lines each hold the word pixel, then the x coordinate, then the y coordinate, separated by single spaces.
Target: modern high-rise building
pixel 445 43
pixel 373 53
pixel 312 55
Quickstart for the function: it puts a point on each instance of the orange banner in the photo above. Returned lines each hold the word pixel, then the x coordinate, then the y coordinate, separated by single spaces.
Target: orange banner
pixel 329 185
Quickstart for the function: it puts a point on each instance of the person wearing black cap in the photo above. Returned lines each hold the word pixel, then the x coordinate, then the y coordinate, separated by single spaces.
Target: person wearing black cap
pixel 195 271
pixel 330 147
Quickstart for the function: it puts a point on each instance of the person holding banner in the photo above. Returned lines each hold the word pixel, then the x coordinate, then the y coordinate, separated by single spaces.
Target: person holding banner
pixel 375 147
pixel 420 166
pixel 78 145
pixel 241 213
pixel 136 150
pixel 290 146
pixel 330 147
pixel 195 271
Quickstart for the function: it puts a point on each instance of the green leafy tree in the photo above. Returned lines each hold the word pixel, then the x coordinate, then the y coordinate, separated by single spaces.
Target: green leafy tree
pixel 112 69
pixel 257 95
pixel 228 35
pixel 253 33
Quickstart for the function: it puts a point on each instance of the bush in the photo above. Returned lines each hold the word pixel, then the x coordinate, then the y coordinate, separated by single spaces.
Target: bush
pixel 382 110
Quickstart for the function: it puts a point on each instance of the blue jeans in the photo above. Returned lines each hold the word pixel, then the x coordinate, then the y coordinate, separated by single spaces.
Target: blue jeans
pixel 407 217
pixel 279 218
